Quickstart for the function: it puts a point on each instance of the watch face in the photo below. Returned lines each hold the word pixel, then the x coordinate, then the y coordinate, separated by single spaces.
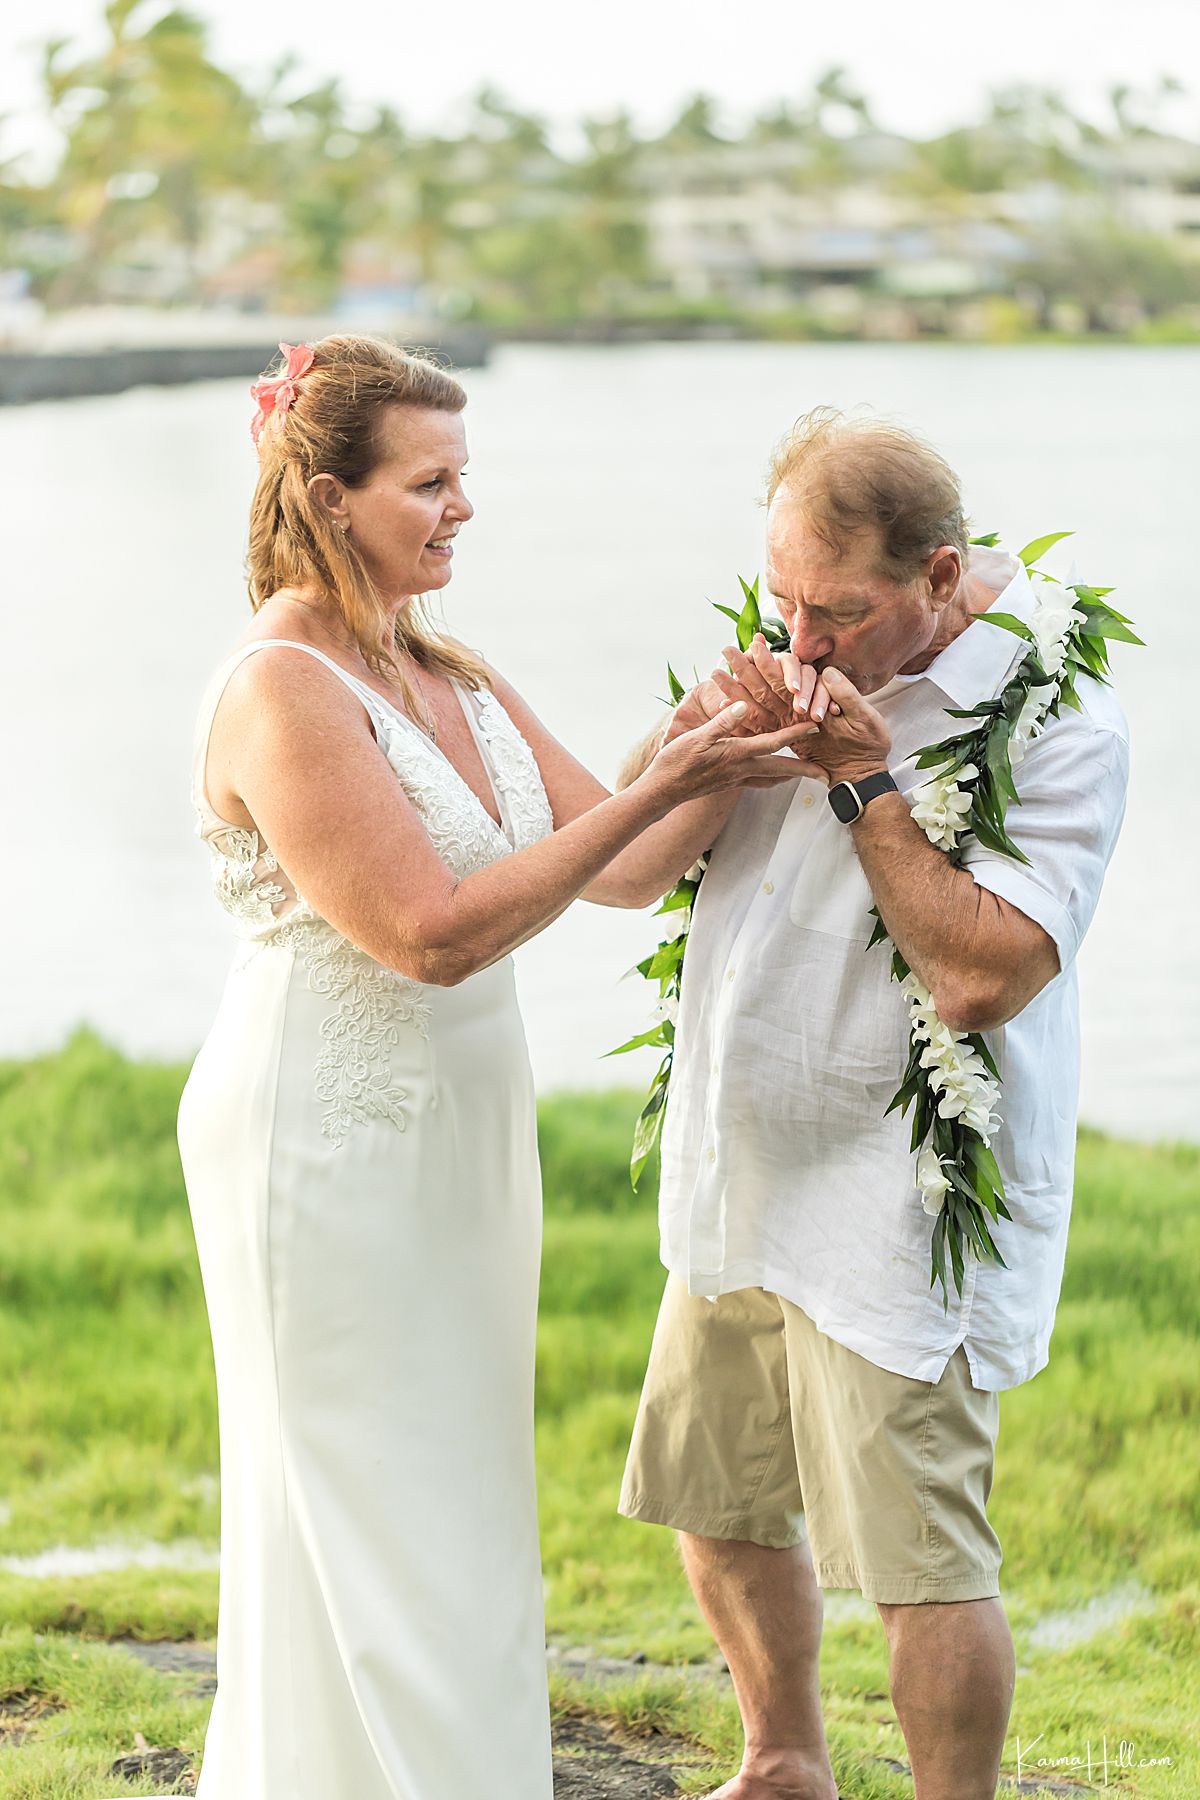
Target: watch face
pixel 845 802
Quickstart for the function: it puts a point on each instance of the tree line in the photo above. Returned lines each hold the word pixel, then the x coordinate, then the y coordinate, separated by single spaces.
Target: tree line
pixel 177 179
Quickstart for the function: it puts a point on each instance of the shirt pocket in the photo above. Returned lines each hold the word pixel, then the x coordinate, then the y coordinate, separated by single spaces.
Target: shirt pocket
pixel 831 894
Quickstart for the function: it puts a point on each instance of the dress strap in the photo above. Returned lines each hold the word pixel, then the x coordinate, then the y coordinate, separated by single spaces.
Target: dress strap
pixel 216 688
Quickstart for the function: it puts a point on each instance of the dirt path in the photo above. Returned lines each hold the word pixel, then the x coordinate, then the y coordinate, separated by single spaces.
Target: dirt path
pixel 592 1760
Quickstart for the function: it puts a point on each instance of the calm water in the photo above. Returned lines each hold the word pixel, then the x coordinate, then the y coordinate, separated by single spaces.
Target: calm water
pixel 616 490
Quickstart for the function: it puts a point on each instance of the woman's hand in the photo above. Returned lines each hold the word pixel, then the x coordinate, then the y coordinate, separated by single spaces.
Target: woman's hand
pixel 808 689
pixel 721 754
pixel 776 691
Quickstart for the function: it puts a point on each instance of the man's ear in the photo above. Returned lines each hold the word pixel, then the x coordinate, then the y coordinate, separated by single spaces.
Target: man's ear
pixel 945 575
pixel 328 495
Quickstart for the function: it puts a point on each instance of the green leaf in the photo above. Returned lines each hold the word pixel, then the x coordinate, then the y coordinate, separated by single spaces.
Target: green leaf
pixel 675 687
pixel 729 611
pixel 645 1039
pixel 938 1248
pixel 987 540
pixel 1089 653
pixel 1039 547
pixel 982 1155
pixel 666 959
pixel 1110 627
pixel 956 1255
pixel 999 841
pixel 649 1125
pixel 979 1045
pixel 987 709
pixel 997 758
pixel 904 1096
pixel 1006 622
pixel 750 618
pixel 680 896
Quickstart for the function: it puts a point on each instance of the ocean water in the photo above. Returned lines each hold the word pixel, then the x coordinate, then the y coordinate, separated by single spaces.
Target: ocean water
pixel 617 491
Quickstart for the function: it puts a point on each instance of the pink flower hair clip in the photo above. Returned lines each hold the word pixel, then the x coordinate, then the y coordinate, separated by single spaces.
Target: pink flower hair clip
pixel 275 394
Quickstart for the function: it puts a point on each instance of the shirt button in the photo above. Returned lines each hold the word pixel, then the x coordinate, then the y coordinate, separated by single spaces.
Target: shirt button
pixel 729 974
pixel 768 887
pixel 711 1155
pixel 808 799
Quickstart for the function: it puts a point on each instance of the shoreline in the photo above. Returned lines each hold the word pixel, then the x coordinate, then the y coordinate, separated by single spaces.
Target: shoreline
pixel 31 375
pixel 28 376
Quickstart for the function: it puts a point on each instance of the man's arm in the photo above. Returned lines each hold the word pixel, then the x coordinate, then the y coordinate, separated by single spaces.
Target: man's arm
pixel 648 867
pixel 982 958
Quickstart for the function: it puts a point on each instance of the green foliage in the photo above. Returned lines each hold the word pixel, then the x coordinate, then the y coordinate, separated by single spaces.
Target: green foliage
pixel 182 180
pixel 107 1430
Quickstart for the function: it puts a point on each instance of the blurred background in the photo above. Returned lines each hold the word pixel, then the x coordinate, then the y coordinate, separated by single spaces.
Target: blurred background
pixel 645 282
pixel 649 237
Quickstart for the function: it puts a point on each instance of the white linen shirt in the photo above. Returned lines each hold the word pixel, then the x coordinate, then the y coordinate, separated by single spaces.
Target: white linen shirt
pixel 779 1168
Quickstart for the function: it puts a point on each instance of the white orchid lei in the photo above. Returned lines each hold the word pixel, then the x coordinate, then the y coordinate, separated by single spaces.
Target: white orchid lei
pixel 950 1079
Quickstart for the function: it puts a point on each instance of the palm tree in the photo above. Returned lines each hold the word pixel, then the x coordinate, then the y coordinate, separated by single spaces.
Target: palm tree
pixel 152 127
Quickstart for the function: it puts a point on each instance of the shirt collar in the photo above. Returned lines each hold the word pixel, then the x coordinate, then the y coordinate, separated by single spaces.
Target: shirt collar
pixel 973 664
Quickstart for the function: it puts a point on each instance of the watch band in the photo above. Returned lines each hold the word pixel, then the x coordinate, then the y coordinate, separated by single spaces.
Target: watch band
pixel 850 799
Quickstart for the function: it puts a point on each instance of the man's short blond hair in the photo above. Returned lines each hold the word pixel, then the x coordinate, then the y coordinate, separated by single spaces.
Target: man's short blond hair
pixel 860 475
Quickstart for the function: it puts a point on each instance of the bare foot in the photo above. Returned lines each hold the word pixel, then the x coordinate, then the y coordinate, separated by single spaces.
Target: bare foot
pixel 779 1776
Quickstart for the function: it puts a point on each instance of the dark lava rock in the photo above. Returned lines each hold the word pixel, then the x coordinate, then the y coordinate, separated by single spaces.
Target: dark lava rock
pixel 170 1769
pixel 592 1763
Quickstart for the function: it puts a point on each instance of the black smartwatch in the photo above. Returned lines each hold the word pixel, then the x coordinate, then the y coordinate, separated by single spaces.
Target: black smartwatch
pixel 850 799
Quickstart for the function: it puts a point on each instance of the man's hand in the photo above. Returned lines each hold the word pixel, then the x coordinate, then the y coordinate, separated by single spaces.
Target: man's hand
pixel 853 740
pixel 759 680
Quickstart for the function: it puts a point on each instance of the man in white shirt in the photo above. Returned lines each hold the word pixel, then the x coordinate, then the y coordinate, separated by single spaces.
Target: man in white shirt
pixel 812 1417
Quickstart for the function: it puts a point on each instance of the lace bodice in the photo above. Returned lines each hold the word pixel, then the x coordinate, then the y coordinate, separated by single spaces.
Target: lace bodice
pixel 353 1079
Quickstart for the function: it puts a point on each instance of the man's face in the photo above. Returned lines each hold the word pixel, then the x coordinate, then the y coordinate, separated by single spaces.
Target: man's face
pixel 840 611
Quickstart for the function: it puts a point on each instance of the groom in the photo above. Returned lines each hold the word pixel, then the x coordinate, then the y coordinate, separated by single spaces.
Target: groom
pixel 812 1418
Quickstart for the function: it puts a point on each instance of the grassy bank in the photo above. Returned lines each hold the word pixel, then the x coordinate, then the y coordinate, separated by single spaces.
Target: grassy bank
pixel 108 1433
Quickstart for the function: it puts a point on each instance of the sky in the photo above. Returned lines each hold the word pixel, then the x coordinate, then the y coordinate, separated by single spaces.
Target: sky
pixel 924 65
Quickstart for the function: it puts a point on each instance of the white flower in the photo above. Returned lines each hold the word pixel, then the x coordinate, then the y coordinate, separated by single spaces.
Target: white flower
pixel 1050 625
pixel 957 1076
pixel 1030 720
pixel 940 807
pixel 667 1008
pixel 933 1184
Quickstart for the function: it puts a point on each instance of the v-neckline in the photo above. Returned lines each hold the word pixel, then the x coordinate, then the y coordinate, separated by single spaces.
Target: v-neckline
pixel 485 760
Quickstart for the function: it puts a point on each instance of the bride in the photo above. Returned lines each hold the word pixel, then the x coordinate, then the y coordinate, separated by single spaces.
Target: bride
pixel 387 821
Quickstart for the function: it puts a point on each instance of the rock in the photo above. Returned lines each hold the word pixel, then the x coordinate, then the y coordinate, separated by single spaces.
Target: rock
pixel 172 1769
pixel 592 1763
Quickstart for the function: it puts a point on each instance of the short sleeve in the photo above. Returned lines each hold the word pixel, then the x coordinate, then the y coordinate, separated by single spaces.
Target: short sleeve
pixel 1072 783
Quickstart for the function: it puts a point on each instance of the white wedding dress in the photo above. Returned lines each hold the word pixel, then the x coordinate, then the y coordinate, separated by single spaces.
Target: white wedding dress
pixel 361 1166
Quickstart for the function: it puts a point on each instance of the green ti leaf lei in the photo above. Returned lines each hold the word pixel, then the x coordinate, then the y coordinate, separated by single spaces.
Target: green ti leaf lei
pixel 950 1079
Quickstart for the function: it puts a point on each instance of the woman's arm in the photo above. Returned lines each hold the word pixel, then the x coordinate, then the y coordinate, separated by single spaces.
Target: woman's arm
pixel 653 862
pixel 325 798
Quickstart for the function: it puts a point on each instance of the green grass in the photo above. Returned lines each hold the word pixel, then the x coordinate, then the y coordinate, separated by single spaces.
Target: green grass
pixel 108 1432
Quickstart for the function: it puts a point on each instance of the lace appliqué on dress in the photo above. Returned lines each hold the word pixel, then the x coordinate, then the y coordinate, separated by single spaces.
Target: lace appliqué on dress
pixel 354 1076
pixel 354 1080
pixel 463 833
pixel 239 864
pixel 517 773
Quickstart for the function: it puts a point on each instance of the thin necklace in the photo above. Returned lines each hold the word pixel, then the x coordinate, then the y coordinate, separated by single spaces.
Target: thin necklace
pixel 428 724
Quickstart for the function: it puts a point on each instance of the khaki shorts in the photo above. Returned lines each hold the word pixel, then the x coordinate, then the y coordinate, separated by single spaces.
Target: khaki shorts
pixel 754 1425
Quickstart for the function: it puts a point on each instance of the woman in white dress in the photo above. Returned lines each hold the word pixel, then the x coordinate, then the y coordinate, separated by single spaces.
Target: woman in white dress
pixel 387 822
